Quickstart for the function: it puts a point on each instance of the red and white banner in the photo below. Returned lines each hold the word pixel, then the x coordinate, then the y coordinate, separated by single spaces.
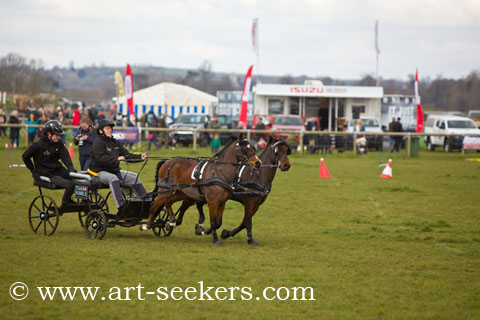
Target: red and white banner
pixel 246 93
pixel 129 92
pixel 255 35
pixel 419 106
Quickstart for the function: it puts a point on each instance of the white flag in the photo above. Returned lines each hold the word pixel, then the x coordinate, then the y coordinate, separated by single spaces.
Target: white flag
pixel 377 48
pixel 255 35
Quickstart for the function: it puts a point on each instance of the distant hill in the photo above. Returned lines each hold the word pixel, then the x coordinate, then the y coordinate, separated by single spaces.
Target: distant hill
pixel 94 84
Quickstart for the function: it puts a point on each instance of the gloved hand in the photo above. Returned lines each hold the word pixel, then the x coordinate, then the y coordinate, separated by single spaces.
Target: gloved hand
pixel 35 175
pixel 72 170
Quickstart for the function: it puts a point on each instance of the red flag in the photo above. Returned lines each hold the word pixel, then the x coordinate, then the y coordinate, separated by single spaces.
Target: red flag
pixel 419 106
pixel 129 91
pixel 246 91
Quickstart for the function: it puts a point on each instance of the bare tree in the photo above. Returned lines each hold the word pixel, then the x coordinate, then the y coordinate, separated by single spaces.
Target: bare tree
pixel 287 79
pixel 205 76
pixel 13 73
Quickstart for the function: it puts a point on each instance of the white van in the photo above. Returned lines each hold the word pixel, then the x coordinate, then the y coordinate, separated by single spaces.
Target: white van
pixel 448 125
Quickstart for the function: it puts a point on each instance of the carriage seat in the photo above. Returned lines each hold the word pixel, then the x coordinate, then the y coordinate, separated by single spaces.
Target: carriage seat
pixel 82 178
pixel 44 182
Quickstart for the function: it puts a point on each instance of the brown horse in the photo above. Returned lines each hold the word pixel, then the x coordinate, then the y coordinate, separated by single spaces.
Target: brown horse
pixel 212 184
pixel 252 188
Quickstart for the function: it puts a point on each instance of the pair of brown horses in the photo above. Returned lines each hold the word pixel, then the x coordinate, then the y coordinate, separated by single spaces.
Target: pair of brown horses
pixel 252 189
pixel 235 168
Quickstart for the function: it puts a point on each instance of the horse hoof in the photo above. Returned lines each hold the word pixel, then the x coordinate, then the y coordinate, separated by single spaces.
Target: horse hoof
pixel 170 226
pixel 218 242
pixel 253 242
pixel 199 230
pixel 225 234
pixel 144 227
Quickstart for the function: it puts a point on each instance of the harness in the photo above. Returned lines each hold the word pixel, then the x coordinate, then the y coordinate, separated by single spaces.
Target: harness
pixel 198 174
pixel 256 182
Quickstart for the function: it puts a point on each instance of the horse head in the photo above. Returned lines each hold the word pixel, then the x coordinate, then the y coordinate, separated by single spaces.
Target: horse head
pixel 281 149
pixel 246 152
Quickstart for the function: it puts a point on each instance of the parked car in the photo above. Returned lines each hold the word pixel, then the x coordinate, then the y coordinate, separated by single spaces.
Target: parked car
pixel 189 122
pixel 448 125
pixel 371 124
pixel 287 123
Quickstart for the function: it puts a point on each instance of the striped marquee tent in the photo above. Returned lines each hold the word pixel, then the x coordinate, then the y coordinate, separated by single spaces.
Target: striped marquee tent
pixel 170 98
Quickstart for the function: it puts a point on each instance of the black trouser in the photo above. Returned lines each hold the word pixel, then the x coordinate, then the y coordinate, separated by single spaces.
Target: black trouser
pixel 398 143
pixel 62 179
pixel 84 161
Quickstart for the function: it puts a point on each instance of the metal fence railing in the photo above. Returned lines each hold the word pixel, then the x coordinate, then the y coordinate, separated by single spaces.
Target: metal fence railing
pixel 337 140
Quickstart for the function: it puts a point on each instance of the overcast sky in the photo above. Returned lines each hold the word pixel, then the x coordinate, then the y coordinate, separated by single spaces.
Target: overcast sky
pixel 298 37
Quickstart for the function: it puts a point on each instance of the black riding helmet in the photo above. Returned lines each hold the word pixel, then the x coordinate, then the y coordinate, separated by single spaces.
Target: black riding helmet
pixel 54 127
pixel 104 122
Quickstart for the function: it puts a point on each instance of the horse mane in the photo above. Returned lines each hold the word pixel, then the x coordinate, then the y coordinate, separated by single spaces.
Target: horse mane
pixel 232 139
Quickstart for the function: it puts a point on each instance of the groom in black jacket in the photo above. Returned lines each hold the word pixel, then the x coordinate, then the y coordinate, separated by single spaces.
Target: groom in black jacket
pixel 107 152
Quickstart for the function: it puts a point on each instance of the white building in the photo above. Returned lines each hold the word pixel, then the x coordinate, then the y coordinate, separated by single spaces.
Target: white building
pixel 315 99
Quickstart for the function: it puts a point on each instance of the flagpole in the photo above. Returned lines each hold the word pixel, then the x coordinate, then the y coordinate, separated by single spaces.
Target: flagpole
pixel 377 49
pixel 258 54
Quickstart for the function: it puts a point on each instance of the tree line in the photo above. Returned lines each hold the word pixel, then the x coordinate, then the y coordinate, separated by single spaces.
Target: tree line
pixel 93 84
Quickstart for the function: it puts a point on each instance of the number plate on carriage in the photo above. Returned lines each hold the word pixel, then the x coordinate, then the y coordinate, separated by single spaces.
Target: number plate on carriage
pixel 81 192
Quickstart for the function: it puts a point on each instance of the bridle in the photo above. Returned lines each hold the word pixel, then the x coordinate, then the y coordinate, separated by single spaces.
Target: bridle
pixel 275 151
pixel 243 147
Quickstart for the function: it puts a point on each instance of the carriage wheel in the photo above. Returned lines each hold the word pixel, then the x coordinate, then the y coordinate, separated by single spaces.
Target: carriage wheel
pixel 159 225
pixel 43 215
pixel 95 224
pixel 95 201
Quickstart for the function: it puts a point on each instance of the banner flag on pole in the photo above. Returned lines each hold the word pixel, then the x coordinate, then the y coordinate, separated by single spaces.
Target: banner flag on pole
pixel 119 83
pixel 255 35
pixel 246 92
pixel 129 92
pixel 419 106
pixel 377 48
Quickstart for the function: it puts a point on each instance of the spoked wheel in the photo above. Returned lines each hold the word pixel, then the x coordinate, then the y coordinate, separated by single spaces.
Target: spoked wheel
pixel 96 224
pixel 95 201
pixel 160 225
pixel 43 215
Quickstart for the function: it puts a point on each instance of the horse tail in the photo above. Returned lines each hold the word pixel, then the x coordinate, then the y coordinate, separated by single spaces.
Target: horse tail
pixel 157 170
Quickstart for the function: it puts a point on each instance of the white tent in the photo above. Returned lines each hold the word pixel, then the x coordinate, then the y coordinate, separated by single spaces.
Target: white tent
pixel 170 98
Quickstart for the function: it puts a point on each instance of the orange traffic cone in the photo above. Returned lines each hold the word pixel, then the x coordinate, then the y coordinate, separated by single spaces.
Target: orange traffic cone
pixel 70 151
pixel 387 172
pixel 323 170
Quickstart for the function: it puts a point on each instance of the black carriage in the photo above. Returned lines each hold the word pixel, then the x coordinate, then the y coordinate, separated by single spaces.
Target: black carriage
pixel 92 208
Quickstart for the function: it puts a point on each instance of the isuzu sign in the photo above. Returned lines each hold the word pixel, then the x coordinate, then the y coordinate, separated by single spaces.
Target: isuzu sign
pixel 304 89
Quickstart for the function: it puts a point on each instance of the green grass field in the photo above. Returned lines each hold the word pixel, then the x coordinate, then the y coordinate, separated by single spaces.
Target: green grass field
pixel 404 248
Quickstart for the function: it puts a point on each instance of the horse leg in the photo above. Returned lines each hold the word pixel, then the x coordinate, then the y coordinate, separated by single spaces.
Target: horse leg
pixel 213 207
pixel 199 228
pixel 181 211
pixel 248 208
pixel 158 204
pixel 171 217
pixel 248 225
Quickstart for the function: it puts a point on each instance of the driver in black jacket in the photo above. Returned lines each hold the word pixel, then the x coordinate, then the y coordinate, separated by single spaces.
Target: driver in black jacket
pixel 107 152
pixel 47 153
